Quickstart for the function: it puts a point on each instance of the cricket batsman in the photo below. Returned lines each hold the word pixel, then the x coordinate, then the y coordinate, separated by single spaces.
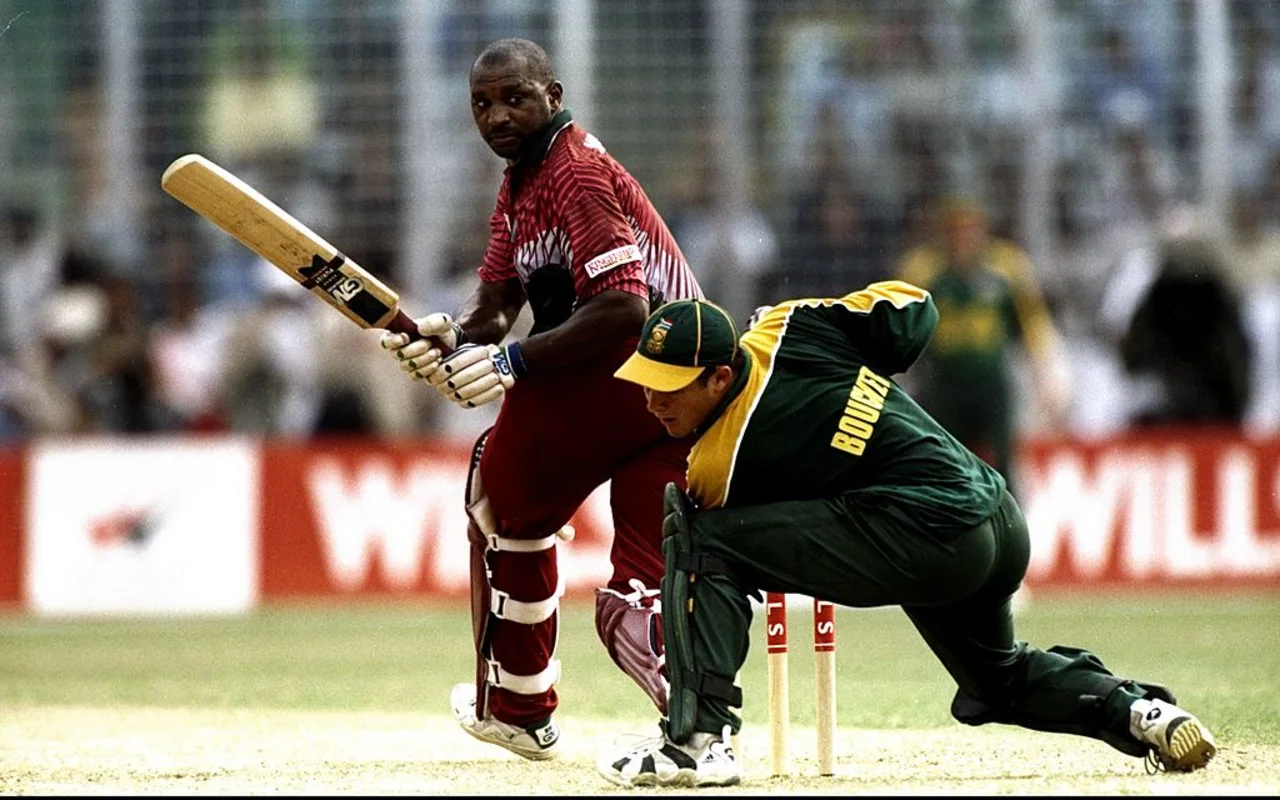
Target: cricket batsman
pixel 812 472
pixel 575 237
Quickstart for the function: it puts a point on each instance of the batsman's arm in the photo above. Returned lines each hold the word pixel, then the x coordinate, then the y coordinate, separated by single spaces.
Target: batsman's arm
pixel 591 332
pixel 489 313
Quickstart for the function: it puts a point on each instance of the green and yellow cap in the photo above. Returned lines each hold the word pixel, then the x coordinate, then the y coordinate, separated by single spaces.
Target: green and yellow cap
pixel 677 342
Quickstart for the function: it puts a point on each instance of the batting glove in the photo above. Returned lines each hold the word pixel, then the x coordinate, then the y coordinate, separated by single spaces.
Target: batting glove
pixel 476 374
pixel 422 358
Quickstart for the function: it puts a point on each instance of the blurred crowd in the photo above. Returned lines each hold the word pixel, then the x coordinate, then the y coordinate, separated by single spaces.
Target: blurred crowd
pixel 1158 316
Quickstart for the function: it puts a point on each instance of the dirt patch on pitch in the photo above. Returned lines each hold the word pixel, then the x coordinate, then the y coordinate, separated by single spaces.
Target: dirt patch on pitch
pixel 175 751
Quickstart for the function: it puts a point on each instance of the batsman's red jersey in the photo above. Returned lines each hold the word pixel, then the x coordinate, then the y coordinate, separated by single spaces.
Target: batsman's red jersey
pixel 581 224
pixel 571 222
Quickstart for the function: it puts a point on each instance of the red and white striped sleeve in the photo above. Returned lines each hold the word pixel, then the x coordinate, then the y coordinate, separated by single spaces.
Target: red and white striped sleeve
pixel 605 253
pixel 499 254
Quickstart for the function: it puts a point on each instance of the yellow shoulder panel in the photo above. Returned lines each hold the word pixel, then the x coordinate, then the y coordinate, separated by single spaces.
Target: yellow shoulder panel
pixel 711 459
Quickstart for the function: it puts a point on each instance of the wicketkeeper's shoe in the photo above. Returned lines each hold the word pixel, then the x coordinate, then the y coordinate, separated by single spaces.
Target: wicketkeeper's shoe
pixel 707 759
pixel 1179 742
pixel 536 742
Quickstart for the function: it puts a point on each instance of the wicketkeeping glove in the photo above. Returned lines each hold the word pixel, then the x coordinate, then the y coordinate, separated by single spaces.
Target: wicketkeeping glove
pixel 476 374
pixel 421 358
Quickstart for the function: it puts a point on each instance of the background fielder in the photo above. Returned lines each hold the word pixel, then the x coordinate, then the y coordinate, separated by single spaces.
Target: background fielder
pixel 988 303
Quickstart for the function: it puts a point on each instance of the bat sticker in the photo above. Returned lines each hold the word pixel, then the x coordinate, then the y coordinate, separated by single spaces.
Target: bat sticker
pixel 329 278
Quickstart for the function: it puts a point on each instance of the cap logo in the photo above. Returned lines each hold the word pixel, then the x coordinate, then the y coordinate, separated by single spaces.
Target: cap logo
pixel 658 336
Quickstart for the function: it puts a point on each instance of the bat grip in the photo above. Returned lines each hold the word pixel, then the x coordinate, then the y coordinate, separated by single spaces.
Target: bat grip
pixel 403 323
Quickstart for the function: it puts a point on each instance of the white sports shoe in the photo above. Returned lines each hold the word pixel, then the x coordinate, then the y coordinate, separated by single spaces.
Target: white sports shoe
pixel 1178 741
pixel 707 759
pixel 536 743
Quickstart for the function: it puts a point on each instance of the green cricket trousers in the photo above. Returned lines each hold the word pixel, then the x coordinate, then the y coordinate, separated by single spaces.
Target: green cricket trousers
pixel 955 588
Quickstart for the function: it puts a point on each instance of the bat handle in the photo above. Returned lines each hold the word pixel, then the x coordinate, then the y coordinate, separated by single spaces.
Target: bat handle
pixel 403 323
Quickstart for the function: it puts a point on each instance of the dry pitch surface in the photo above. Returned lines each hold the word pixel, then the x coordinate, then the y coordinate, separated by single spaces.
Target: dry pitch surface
pixel 46 750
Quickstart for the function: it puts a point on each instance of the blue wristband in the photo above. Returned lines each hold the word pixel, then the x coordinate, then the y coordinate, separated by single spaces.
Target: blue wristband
pixel 516 360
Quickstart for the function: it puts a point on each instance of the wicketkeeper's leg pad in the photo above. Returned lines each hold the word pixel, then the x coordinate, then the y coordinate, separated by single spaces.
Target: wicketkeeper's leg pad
pixel 683 564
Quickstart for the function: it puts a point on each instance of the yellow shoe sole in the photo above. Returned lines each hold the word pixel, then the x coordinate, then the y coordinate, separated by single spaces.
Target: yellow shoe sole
pixel 1190 747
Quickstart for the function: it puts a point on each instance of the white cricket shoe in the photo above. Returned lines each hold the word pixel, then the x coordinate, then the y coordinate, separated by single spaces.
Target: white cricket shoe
pixel 1179 742
pixel 536 742
pixel 707 759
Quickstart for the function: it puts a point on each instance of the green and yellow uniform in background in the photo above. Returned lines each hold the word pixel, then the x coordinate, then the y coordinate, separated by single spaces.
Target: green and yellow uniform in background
pixel 965 380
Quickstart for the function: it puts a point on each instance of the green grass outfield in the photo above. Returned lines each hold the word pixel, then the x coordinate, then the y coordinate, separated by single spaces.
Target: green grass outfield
pixel 1219 652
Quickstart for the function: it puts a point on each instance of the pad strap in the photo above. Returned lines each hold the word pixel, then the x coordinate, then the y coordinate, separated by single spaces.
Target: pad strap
pixel 509 545
pixel 526 612
pixel 525 684
pixel 710 685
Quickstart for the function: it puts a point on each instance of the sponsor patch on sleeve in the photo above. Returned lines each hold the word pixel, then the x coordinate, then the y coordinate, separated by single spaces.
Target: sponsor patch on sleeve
pixel 607 261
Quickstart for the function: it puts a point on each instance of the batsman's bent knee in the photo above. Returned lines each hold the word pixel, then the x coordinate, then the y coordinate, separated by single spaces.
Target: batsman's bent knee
pixel 630 626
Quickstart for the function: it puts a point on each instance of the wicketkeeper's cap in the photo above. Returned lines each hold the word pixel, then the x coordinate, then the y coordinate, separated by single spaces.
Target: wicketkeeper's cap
pixel 678 342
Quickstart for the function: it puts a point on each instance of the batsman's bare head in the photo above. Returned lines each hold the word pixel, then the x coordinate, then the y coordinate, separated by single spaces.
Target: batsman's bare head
pixel 514 94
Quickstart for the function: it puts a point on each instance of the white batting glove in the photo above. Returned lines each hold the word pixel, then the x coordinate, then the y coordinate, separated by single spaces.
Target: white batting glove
pixel 476 374
pixel 422 358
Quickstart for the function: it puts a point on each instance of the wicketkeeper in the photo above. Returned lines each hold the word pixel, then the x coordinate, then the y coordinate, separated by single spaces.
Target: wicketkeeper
pixel 814 473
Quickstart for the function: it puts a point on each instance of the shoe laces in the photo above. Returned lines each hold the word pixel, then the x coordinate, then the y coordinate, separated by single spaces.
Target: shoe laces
pixel 640 744
pixel 726 742
pixel 1153 764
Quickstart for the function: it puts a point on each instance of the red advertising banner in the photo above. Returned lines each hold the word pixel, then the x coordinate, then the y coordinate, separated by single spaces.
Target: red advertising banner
pixel 12 525
pixel 1182 507
pixel 388 520
pixel 366 519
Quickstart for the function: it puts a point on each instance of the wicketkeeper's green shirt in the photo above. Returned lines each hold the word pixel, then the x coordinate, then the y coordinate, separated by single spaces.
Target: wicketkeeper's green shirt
pixel 816 414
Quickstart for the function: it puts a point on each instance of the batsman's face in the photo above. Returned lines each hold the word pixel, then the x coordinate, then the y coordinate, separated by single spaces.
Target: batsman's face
pixel 682 411
pixel 510 108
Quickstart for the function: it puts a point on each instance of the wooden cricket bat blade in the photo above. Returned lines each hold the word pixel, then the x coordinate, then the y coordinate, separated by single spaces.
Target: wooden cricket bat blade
pixel 277 236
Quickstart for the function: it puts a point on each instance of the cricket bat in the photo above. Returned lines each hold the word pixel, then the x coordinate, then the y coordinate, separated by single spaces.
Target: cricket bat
pixel 273 233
